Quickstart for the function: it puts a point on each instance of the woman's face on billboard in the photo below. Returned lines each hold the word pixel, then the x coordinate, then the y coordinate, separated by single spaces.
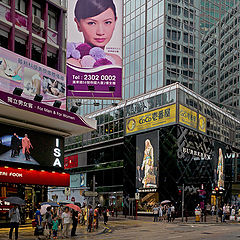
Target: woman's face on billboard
pixel 98 30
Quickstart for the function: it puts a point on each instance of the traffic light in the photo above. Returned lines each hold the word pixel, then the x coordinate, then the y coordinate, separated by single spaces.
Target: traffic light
pixel 216 189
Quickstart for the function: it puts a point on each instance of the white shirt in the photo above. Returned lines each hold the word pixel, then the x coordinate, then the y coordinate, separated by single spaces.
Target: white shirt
pixel 66 217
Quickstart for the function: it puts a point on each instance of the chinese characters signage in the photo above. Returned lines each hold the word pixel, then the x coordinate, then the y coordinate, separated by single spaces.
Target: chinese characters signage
pixel 187 116
pixel 71 161
pixel 33 77
pixel 151 119
pixel 202 123
pixel 94 59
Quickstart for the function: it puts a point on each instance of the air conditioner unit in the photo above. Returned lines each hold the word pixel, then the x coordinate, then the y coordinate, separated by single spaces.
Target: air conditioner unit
pixel 37 21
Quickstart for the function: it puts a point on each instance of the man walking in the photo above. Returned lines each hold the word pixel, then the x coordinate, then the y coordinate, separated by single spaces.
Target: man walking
pixel 14 216
pixel 155 214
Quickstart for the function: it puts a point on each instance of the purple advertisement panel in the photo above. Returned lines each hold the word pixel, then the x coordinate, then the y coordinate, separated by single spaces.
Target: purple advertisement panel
pixel 33 77
pixel 94 49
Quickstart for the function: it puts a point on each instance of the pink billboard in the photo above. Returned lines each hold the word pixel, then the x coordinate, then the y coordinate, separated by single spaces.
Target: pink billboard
pixel 33 77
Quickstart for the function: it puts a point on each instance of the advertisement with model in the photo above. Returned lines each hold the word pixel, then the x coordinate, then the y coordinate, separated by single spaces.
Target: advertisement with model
pixel 32 77
pixel 94 49
pixel 20 145
pixel 147 157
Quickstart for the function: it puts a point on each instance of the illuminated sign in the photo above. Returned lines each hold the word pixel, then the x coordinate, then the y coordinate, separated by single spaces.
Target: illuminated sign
pixel 159 117
pixel 187 116
pixel 202 123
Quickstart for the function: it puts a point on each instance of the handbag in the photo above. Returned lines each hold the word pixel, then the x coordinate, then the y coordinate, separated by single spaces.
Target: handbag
pixel 34 223
pixel 38 231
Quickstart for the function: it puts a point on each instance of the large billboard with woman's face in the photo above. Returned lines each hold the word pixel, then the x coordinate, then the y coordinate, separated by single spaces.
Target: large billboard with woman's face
pixel 147 158
pixel 94 49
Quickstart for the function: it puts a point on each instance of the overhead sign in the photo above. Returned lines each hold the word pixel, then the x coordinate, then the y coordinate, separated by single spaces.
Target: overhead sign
pixel 187 116
pixel 67 191
pixel 90 194
pixel 137 196
pixel 71 161
pixel 202 123
pixel 24 176
pixel 33 77
pixel 156 118
pixel 94 49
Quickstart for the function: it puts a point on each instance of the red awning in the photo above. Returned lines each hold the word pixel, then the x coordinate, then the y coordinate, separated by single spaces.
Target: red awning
pixel 34 177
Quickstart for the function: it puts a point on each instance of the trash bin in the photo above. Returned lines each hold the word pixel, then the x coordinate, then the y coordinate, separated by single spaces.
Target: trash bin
pixel 198 215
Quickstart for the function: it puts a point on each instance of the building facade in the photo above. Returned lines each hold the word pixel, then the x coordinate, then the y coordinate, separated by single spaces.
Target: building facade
pixel 186 132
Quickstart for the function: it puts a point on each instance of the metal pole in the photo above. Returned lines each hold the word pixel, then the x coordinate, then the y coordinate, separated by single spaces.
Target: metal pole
pixel 136 208
pixel 132 209
pixel 87 213
pixel 129 207
pixel 94 183
pixel 217 207
pixel 182 202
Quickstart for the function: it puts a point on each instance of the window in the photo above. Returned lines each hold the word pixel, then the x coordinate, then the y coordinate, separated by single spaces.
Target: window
pixel 21 6
pixel 37 9
pixel 3 39
pixel 52 60
pixel 20 46
pixel 52 19
pixel 36 53
pixel 5 1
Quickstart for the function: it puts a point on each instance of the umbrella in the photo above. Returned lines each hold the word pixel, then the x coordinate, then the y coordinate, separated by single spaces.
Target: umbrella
pixel 15 200
pixel 74 207
pixel 165 202
pixel 52 204
pixel 43 209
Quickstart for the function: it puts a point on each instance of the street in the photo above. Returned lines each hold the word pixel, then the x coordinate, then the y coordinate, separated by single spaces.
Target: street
pixel 145 229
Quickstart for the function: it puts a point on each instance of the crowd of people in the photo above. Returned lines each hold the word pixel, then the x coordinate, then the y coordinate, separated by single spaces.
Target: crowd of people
pixel 164 213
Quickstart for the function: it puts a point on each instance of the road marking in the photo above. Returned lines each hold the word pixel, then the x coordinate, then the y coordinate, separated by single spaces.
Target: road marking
pixel 174 237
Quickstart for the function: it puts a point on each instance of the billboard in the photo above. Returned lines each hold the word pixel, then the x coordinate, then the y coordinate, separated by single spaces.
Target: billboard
pixel 94 49
pixel 219 157
pixel 21 145
pixel 78 180
pixel 71 161
pixel 147 158
pixel 159 117
pixel 33 77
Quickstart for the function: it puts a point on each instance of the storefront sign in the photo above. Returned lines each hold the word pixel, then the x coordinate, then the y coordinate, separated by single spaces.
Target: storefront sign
pixel 24 176
pixel 40 108
pixel 187 116
pixel 202 123
pixel 71 161
pixel 94 59
pixel 145 121
pixel 33 77
pixel 196 153
pixel 4 206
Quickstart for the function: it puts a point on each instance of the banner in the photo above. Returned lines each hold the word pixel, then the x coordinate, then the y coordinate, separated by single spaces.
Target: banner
pixel 78 180
pixel 187 116
pixel 94 49
pixel 147 159
pixel 24 176
pixel 159 117
pixel 33 77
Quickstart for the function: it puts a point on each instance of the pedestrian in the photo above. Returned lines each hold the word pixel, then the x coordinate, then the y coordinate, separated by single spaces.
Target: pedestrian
pixel 66 220
pixel 169 214
pixel 14 216
pixel 155 213
pixel 38 218
pixel 59 217
pixel 90 218
pixel 224 210
pixel 213 210
pixel 55 224
pixel 96 216
pixel 49 220
pixel 160 213
pixel 74 223
pixel 105 216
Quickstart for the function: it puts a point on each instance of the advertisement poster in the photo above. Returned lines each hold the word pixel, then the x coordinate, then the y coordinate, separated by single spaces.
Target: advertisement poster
pixel 219 155
pixel 78 180
pixel 159 117
pixel 147 158
pixel 33 77
pixel 94 49
pixel 19 145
